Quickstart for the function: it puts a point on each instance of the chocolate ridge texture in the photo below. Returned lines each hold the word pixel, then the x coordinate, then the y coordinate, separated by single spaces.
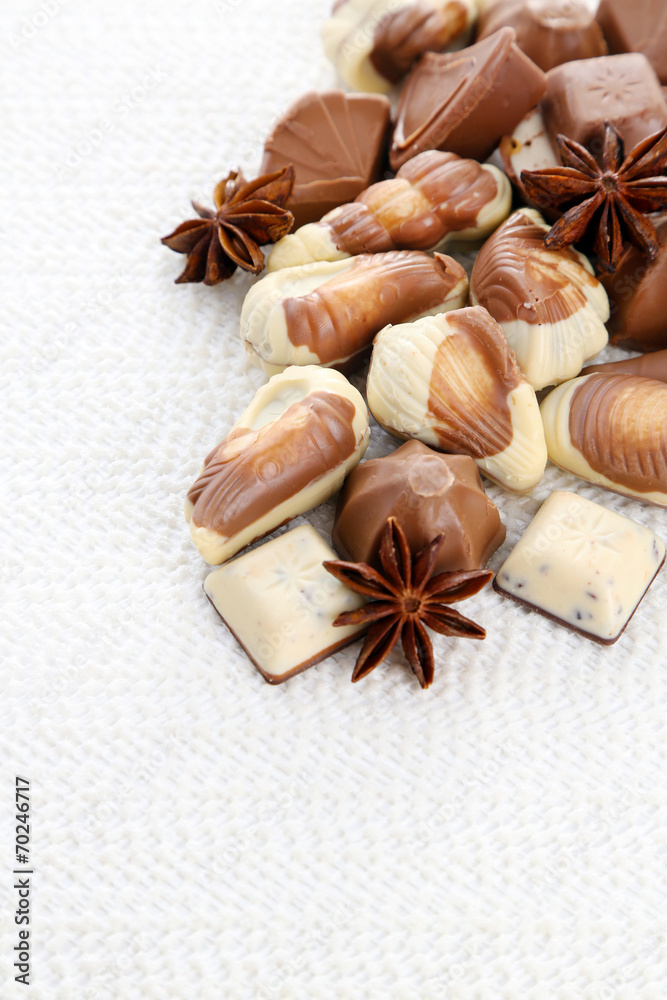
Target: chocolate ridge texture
pixel 464 102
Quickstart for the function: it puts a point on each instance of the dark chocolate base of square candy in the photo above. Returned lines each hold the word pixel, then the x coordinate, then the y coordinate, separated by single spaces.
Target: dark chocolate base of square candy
pixel 573 628
pixel 281 678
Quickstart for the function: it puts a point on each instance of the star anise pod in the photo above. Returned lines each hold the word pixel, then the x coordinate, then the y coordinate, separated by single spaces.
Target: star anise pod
pixel 611 198
pixel 248 215
pixel 404 599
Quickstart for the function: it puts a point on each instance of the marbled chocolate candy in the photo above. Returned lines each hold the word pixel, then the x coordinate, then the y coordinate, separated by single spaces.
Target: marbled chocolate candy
pixel 328 313
pixel 436 198
pixel 288 452
pixel 453 382
pixel 647 365
pixel 373 43
pixel 549 302
pixel 611 430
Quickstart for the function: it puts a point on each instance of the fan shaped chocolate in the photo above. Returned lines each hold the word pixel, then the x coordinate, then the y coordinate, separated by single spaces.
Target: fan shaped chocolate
pixel 337 145
pixel 453 382
pixel 428 494
pixel 288 452
pixel 549 302
pixel 611 430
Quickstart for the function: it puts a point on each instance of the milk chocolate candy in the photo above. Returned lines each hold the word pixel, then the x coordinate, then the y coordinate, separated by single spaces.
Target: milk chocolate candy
pixel 453 382
pixel 637 26
pixel 429 494
pixel 337 145
pixel 623 90
pixel 464 102
pixel 280 603
pixel 373 43
pixel 647 365
pixel 328 313
pixel 583 566
pixel 611 430
pixel 436 198
pixel 637 296
pixel 549 32
pixel 288 452
pixel 549 302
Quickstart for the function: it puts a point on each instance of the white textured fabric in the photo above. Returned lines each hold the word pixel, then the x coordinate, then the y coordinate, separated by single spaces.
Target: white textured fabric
pixel 197 833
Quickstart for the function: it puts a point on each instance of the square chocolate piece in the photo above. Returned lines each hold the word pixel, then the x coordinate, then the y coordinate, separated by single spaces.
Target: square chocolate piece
pixel 279 602
pixel 583 566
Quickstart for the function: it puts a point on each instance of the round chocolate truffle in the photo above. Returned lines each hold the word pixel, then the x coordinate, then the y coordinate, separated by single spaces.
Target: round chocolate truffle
pixel 429 494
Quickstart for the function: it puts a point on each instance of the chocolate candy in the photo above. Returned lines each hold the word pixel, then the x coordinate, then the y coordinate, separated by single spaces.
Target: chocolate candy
pixel 464 102
pixel 549 302
pixel 429 494
pixel 328 313
pixel 550 32
pixel 280 603
pixel 436 198
pixel 583 566
pixel 637 296
pixel 611 430
pixel 623 90
pixel 336 143
pixel 637 26
pixel 453 382
pixel 373 43
pixel 647 365
pixel 288 452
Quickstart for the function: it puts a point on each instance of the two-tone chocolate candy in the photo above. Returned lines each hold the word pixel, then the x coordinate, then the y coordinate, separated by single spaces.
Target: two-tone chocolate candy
pixel 373 43
pixel 464 102
pixel 336 143
pixel 611 430
pixel 549 302
pixel 428 494
pixel 453 382
pixel 435 199
pixel 583 566
pixel 550 32
pixel 280 603
pixel 327 313
pixel 288 452
pixel 647 365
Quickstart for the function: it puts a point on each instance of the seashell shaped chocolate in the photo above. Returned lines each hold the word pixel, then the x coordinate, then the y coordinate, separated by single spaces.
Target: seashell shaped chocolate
pixel 611 429
pixel 435 199
pixel 288 452
pixel 549 302
pixel 452 381
pixel 327 313
pixel 373 43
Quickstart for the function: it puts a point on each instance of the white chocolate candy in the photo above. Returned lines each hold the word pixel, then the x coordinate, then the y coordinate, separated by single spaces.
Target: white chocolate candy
pixel 328 313
pixel 372 43
pixel 452 382
pixel 280 603
pixel 290 451
pixel 583 565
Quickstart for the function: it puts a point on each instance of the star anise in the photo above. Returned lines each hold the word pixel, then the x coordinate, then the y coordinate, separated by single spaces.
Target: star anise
pixel 404 599
pixel 611 198
pixel 248 215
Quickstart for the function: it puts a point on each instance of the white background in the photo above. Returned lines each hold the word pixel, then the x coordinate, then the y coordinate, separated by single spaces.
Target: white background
pixel 197 833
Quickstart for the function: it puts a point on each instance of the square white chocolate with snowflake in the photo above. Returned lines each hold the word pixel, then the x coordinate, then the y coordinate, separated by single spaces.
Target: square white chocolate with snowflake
pixel 582 565
pixel 280 603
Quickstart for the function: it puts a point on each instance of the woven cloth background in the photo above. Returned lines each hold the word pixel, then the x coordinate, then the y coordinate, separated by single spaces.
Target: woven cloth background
pixel 197 833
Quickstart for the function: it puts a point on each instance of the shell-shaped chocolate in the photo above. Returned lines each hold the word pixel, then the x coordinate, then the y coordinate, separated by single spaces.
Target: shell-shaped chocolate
pixel 452 382
pixel 611 430
pixel 328 313
pixel 373 43
pixel 435 198
pixel 549 302
pixel 288 452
